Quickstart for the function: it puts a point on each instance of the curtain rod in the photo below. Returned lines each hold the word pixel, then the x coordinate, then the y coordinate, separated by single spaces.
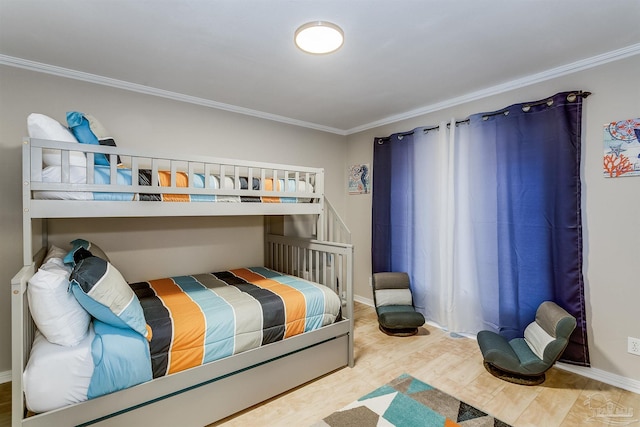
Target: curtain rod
pixel 458 122
pixel 549 101
pixel 403 134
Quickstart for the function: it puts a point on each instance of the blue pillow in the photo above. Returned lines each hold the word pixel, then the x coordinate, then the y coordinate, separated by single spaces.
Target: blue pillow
pixel 81 129
pixel 121 358
pixel 102 291
pixel 78 244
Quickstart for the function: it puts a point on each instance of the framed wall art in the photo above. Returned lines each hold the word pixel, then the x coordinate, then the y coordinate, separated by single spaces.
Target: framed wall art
pixel 359 179
pixel 622 148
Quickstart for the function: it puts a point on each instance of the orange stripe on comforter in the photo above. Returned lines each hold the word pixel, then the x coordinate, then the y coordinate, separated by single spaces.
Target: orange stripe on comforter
pixel 189 326
pixel 268 186
pixel 182 180
pixel 294 302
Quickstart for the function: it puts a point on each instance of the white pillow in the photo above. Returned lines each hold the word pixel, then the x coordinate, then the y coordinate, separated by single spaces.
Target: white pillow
pixel 44 127
pixel 54 309
pixel 57 376
pixel 77 175
pixel 54 253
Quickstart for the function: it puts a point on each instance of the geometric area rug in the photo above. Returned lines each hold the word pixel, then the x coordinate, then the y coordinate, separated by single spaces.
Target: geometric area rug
pixel 408 402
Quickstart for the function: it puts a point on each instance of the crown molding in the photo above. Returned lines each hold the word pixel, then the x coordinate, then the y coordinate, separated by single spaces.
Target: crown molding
pixel 552 73
pixel 563 70
pixel 148 90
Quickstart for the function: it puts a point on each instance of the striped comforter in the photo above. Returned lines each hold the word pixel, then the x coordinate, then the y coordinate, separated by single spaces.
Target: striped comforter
pixel 200 318
pixel 102 176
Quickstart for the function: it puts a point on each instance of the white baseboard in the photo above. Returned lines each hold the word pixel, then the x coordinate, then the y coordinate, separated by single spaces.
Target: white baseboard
pixel 5 377
pixel 603 376
pixel 593 373
pixel 363 300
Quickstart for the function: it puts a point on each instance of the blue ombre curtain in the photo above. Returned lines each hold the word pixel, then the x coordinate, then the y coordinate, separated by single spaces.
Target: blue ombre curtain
pixel 512 205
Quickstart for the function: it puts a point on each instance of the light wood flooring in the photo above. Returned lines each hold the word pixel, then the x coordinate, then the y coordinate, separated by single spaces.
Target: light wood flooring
pixel 453 365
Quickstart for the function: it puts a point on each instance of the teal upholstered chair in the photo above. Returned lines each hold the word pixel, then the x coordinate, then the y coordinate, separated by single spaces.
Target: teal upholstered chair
pixel 525 360
pixel 394 304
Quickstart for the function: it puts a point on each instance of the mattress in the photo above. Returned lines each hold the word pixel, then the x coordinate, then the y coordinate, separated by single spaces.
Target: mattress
pixel 200 318
pixel 193 319
pixel 102 176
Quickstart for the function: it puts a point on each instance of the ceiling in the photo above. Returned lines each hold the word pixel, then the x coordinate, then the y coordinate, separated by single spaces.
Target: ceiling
pixel 399 59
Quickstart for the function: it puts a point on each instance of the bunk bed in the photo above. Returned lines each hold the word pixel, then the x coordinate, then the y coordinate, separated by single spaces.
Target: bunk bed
pixel 171 185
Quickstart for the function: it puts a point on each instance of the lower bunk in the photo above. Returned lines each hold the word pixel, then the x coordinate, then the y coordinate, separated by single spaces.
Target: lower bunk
pixel 239 375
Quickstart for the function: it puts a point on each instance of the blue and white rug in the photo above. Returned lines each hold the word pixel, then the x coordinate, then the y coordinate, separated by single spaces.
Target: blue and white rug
pixel 408 402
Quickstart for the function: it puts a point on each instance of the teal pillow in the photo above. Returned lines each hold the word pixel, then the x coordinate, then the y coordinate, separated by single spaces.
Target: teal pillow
pixel 103 135
pixel 81 128
pixel 102 291
pixel 78 244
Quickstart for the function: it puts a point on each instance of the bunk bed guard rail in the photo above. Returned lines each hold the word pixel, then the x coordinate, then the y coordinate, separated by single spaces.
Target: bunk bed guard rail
pixel 131 174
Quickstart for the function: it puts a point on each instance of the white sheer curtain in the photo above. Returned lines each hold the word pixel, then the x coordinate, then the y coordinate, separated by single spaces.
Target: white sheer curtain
pixel 446 287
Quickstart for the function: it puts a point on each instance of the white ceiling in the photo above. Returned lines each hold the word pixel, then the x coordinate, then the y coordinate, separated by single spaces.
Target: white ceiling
pixel 399 58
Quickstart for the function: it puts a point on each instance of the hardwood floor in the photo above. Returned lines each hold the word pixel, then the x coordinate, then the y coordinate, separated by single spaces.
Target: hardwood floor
pixel 454 365
pixel 5 405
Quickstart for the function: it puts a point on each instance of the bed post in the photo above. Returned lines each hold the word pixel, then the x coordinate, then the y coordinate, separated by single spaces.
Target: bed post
pixel 322 218
pixel 350 307
pixel 27 238
pixel 19 312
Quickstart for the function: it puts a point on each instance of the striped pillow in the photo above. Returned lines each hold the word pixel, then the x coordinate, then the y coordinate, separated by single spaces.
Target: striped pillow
pixel 90 247
pixel 102 291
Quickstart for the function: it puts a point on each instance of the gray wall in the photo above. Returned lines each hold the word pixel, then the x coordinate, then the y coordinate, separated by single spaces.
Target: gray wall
pixel 149 248
pixel 611 207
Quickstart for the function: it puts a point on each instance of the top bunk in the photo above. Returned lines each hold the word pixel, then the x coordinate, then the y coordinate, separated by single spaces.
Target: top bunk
pixel 72 180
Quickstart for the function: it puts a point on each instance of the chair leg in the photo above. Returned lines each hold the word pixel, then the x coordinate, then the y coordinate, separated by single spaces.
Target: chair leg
pixel 405 332
pixel 514 378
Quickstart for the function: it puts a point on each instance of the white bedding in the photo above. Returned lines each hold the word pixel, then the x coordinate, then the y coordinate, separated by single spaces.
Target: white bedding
pixel 56 375
pixel 77 175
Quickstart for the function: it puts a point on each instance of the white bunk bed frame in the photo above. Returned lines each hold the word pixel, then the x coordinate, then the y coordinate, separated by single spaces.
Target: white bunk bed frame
pixel 210 392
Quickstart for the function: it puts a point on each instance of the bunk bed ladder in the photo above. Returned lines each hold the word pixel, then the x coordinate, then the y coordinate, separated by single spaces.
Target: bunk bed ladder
pixel 331 227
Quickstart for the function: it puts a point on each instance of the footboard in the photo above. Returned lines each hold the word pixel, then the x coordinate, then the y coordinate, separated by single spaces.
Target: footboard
pixel 327 263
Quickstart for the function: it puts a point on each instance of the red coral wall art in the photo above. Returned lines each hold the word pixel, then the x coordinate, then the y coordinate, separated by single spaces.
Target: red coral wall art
pixel 622 148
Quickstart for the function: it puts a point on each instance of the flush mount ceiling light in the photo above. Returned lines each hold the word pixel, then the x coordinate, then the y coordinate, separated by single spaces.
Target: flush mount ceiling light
pixel 319 37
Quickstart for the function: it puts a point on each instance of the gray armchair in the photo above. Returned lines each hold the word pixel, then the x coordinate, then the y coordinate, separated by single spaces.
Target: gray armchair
pixel 525 360
pixel 394 304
